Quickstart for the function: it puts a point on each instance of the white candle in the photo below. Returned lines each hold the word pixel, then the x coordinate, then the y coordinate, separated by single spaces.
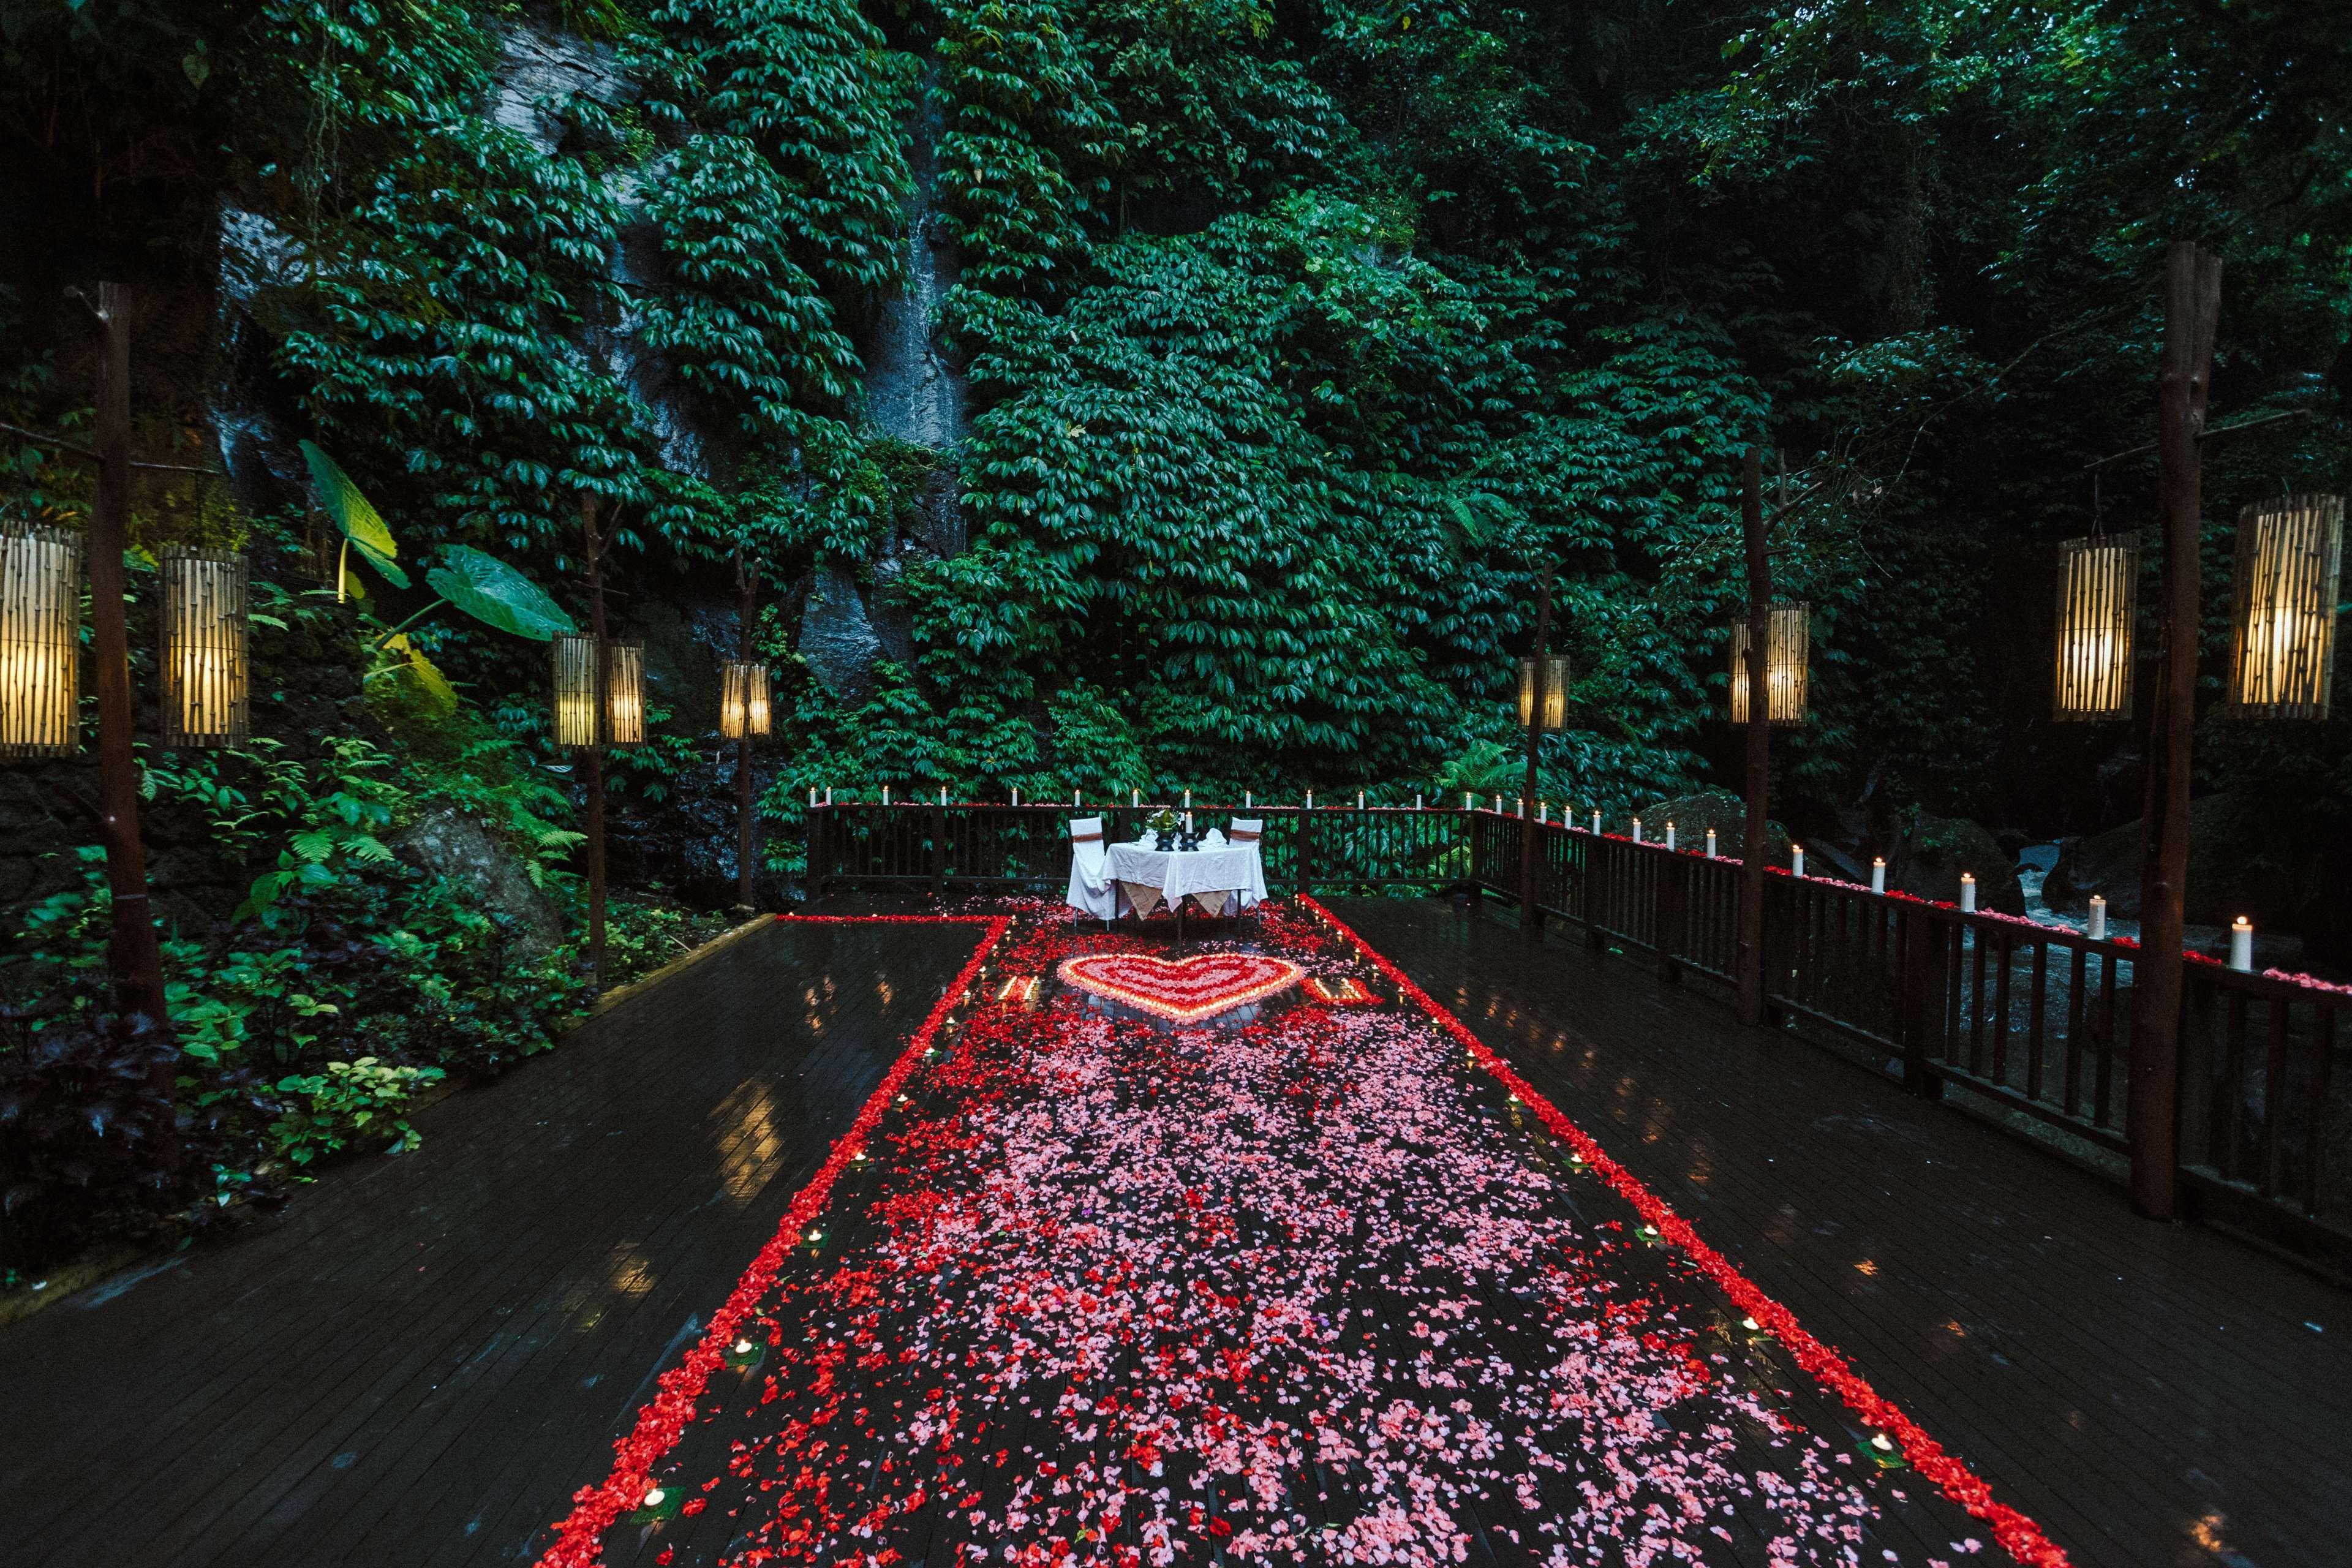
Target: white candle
pixel 1637 830
pixel 1543 811
pixel 1596 820
pixel 1188 800
pixel 886 795
pixel 2242 945
pixel 1670 836
pixel 1074 798
pixel 1710 842
pixel 2098 918
pixel 828 795
pixel 1796 859
pixel 1135 797
pixel 1498 805
pixel 1310 800
pixel 1245 800
pixel 1016 794
pixel 943 795
pixel 1360 800
pixel 812 794
pixel 1417 800
pixel 1878 873
pixel 1523 808
pixel 1466 800
pixel 1967 892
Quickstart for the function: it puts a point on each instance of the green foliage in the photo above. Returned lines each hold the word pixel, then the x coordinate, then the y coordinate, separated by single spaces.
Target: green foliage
pixel 342 1103
pixel 498 595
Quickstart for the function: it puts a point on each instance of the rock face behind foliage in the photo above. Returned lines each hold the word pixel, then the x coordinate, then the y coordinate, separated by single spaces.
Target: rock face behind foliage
pixel 453 846
pixel 1934 850
pixel 2240 863
pixel 836 638
pixel 1692 814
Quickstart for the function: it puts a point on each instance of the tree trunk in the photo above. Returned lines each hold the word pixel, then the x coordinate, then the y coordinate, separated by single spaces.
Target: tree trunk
pixel 2192 307
pixel 1530 853
pixel 1759 739
pixel 136 960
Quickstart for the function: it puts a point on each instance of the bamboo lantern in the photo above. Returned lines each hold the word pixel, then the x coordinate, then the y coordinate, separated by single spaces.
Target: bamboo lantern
pixel 2098 587
pixel 1555 674
pixel 625 722
pixel 40 647
pixel 574 671
pixel 743 699
pixel 206 696
pixel 2290 554
pixel 1788 642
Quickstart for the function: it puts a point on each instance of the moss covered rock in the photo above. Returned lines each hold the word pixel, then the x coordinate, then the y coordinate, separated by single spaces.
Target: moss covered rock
pixel 2242 861
pixel 1692 814
pixel 1933 852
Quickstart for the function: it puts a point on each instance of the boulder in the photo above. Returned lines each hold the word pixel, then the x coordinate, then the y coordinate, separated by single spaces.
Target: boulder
pixel 455 846
pixel 1692 814
pixel 1931 853
pixel 2240 862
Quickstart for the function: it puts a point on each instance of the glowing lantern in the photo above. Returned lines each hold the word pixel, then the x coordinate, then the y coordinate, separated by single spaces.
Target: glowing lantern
pixel 2098 587
pixel 1785 648
pixel 626 720
pixel 205 698
pixel 2290 554
pixel 575 686
pixel 743 699
pixel 40 652
pixel 1555 674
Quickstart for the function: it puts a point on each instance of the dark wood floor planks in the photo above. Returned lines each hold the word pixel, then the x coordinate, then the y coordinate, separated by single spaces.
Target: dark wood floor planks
pixel 429 1353
pixel 2151 1394
pixel 425 1358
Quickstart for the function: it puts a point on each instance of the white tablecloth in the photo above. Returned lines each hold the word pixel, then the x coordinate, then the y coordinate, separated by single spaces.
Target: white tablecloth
pixel 1236 869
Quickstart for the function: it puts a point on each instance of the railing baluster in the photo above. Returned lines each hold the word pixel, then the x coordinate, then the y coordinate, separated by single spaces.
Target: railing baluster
pixel 2077 976
pixel 2040 1001
pixel 2005 955
pixel 2274 1096
pixel 2315 1114
pixel 2233 1085
pixel 2102 1038
pixel 1974 940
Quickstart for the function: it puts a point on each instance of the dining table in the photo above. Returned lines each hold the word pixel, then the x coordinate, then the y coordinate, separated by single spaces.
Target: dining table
pixel 1218 878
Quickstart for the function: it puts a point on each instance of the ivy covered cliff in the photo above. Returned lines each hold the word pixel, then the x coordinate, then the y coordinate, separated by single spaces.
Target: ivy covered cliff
pixel 1179 393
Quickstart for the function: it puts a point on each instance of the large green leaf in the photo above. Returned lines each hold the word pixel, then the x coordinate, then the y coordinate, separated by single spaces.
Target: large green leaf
pixel 382 564
pixel 496 595
pixel 425 674
pixel 350 509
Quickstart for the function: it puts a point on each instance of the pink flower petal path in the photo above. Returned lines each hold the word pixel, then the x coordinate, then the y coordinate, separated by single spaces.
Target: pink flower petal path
pixel 1297 1289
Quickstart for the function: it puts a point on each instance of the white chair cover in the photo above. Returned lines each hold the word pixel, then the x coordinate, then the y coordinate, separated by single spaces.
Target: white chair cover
pixel 1091 889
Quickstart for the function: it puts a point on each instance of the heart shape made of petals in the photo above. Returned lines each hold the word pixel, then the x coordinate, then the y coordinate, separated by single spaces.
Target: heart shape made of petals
pixel 1185 991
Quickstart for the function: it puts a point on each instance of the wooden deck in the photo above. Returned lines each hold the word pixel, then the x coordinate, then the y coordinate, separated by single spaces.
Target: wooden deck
pixel 429 1354
pixel 2152 1394
pixel 425 1358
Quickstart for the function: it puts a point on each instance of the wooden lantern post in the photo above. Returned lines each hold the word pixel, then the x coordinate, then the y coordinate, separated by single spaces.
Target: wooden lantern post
pixel 747 578
pixel 1759 737
pixel 600 705
pixel 136 960
pixel 1530 858
pixel 2192 308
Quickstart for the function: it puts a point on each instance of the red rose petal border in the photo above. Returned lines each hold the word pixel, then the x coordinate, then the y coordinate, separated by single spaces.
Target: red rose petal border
pixel 2017 1533
pixel 663 1420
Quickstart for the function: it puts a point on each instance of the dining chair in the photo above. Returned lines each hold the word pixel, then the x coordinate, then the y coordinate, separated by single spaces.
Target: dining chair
pixel 1091 891
pixel 1248 830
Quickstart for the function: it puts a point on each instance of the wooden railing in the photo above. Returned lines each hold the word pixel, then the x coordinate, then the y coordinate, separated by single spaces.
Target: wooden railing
pixel 1002 848
pixel 2029 1019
